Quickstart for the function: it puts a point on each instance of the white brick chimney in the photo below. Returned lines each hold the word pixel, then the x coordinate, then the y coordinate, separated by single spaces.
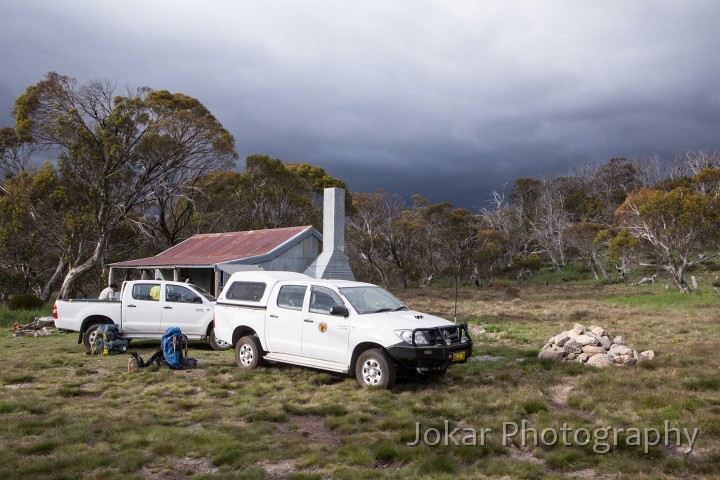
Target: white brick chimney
pixel 332 262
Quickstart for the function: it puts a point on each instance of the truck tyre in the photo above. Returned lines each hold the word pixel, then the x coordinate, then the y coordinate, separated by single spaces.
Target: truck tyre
pixel 248 352
pixel 375 369
pixel 218 344
pixel 89 335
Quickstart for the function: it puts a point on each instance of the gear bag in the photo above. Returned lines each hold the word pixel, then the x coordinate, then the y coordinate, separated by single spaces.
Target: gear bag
pixel 106 341
pixel 172 352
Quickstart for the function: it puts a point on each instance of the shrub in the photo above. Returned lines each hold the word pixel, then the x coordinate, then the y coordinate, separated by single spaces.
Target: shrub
pixel 534 406
pixel 712 266
pixel 25 302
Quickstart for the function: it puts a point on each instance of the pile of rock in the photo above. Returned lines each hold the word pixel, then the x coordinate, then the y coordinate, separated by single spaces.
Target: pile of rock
pixel 592 346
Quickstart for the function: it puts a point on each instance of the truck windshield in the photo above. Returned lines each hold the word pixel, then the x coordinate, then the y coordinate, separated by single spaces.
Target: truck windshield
pixel 204 293
pixel 371 300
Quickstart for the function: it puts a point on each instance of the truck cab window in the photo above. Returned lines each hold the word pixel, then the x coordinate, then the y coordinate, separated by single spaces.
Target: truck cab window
pixel 146 291
pixel 323 299
pixel 175 293
pixel 246 291
pixel 291 296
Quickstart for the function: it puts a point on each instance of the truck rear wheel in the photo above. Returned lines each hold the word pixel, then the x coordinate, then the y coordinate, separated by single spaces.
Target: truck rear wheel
pixel 89 335
pixel 216 344
pixel 375 369
pixel 248 352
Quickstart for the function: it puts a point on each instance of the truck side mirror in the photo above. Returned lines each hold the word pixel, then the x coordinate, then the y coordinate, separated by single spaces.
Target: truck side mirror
pixel 339 310
pixel 198 300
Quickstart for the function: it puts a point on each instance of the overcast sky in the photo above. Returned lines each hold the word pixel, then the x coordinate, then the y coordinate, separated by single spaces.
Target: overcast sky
pixel 449 99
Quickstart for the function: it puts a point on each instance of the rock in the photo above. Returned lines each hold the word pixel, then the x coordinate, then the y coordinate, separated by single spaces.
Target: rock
pixel 620 350
pixel 477 329
pixel 561 339
pixel 624 360
pixel 592 346
pixel 600 360
pixel 646 356
pixel 571 346
pixel 43 332
pixel 552 354
pixel 599 331
pixel 583 340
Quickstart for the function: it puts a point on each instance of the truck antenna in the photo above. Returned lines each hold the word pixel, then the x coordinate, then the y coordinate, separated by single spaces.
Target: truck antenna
pixel 457 280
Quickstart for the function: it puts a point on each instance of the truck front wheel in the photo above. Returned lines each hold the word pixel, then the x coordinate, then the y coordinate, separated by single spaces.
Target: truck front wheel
pixel 248 352
pixel 375 369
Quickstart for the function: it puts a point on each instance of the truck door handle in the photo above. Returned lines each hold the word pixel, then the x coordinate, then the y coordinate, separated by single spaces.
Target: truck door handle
pixel 131 306
pixel 342 327
pixel 307 320
pixel 273 316
pixel 167 308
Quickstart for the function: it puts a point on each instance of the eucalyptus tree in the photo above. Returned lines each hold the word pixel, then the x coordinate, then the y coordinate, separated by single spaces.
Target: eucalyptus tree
pixel 15 154
pixel 680 228
pixel 115 150
pixel 586 241
pixel 33 236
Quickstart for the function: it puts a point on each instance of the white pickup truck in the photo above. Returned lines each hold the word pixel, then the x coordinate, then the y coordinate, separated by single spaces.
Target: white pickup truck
pixel 145 310
pixel 341 326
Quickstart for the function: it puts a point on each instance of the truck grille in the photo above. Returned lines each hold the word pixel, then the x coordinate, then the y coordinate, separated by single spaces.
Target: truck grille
pixel 449 335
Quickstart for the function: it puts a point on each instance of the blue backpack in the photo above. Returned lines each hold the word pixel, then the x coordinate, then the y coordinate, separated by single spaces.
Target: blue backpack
pixel 172 352
pixel 174 347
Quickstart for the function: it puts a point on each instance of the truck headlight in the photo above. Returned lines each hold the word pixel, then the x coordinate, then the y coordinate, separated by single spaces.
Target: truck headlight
pixel 406 336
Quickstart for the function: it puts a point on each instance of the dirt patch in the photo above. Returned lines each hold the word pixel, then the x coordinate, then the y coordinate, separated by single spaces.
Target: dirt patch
pixel 180 469
pixel 311 428
pixel 590 474
pixel 279 470
pixel 193 373
pixel 561 393
pixel 520 455
pixel 17 386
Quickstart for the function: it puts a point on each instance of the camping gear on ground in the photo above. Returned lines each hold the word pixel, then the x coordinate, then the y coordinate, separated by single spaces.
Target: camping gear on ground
pixel 106 341
pixel 172 352
pixel 115 347
pixel 135 362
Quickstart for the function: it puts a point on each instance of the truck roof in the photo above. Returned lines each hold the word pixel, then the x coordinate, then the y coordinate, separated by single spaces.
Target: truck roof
pixel 266 276
pixel 276 276
pixel 340 283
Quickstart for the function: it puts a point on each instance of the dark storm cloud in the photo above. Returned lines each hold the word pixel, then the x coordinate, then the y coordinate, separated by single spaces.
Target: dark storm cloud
pixel 446 99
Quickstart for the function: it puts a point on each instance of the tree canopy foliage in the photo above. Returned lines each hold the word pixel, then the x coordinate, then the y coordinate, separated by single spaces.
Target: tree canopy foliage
pixel 114 153
pixel 132 173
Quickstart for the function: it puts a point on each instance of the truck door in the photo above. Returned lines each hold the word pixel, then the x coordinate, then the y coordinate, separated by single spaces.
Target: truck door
pixel 285 320
pixel 325 336
pixel 141 309
pixel 185 309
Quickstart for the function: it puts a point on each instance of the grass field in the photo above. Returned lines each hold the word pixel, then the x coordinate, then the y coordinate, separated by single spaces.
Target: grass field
pixel 67 415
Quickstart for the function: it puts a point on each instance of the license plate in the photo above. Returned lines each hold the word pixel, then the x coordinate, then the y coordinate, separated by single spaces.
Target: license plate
pixel 458 356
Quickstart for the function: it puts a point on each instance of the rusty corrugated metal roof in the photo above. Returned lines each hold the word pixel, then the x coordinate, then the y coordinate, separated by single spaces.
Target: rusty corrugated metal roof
pixel 213 248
